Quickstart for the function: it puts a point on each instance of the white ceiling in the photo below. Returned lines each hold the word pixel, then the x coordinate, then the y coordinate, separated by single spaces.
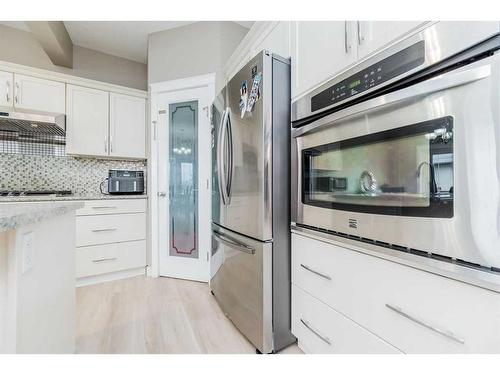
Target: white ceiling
pixel 127 39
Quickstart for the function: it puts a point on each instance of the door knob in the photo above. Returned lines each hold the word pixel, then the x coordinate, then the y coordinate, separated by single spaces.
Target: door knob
pixel 162 194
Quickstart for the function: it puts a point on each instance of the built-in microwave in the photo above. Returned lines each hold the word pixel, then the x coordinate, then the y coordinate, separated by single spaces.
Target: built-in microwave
pixel 405 152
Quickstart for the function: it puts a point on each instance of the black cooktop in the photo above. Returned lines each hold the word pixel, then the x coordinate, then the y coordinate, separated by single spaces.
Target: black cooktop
pixel 22 193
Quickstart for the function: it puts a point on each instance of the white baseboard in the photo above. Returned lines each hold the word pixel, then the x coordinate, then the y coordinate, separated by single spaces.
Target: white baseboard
pixel 90 280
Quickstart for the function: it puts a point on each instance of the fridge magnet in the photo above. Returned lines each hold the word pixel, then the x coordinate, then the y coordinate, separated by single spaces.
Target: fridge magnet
pixel 254 93
pixel 254 71
pixel 243 97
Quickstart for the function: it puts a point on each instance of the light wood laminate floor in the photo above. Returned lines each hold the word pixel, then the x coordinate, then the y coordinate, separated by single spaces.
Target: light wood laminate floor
pixel 163 315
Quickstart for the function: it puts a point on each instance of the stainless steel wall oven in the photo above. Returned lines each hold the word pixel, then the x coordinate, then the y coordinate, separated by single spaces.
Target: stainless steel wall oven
pixel 403 151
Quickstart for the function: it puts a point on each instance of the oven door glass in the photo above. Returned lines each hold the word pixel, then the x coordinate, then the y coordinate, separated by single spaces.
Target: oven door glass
pixel 405 171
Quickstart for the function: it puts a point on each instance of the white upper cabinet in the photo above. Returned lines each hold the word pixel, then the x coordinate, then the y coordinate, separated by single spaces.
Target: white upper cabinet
pixel 273 36
pixel 373 35
pixel 127 126
pixel 100 123
pixel 277 41
pixel 319 51
pixel 6 89
pixel 87 121
pixel 38 94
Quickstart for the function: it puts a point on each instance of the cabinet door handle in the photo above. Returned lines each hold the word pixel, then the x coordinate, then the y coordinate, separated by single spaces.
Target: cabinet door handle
pixel 345 38
pixel 315 272
pixel 104 230
pixel 105 143
pixel 110 143
pixel 101 207
pixel 308 326
pixel 16 93
pixel 7 95
pixel 103 260
pixel 360 37
pixel 442 332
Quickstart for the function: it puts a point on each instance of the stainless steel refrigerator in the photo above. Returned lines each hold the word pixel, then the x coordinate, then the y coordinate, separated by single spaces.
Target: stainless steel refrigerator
pixel 251 201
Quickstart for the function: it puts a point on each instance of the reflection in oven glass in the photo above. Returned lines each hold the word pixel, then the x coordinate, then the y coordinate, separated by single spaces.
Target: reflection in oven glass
pixel 407 167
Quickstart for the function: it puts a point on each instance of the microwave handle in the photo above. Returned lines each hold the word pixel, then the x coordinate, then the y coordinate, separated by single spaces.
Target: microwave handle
pixel 439 83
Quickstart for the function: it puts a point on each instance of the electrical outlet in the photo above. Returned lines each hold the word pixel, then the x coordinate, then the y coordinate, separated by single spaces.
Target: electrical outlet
pixel 28 251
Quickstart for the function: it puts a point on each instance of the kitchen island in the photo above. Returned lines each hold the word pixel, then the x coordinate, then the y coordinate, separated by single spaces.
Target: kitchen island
pixel 37 277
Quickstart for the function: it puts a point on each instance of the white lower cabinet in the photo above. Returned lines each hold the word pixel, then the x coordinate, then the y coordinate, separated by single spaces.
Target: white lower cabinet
pixel 101 259
pixel 110 237
pixel 413 310
pixel 95 230
pixel 320 329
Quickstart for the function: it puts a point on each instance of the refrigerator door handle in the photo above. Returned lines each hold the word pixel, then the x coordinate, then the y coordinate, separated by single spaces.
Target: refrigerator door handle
pixel 220 164
pixel 231 155
pixel 233 244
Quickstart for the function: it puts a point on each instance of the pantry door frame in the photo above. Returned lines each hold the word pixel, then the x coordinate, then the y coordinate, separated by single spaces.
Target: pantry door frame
pixel 159 117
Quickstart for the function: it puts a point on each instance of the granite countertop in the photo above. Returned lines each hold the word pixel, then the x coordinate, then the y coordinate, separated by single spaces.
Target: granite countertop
pixel 75 197
pixel 14 215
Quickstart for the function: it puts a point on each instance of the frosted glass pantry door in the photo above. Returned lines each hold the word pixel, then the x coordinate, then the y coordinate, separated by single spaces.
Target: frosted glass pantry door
pixel 184 189
pixel 183 156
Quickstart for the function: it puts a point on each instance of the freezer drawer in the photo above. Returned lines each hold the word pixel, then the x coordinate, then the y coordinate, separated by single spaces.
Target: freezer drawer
pixel 243 285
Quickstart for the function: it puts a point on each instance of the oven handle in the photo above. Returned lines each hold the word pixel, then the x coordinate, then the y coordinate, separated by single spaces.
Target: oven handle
pixel 439 83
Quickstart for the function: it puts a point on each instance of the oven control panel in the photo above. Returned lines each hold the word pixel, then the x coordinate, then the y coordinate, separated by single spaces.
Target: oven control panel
pixel 386 69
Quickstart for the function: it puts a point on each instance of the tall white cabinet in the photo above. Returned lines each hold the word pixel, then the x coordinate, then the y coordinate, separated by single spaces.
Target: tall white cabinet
pixel 87 121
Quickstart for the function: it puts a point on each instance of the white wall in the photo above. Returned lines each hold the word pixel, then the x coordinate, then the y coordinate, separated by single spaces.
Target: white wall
pixel 20 47
pixel 195 49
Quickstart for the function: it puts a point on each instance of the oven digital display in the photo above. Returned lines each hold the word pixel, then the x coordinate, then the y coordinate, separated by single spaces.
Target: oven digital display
pixel 355 83
pixel 386 69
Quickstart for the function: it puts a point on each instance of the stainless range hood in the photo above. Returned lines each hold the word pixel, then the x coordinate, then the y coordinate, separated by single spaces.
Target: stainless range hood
pixel 33 122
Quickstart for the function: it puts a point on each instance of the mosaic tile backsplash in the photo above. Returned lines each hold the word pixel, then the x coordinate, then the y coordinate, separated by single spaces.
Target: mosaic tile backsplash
pixel 80 175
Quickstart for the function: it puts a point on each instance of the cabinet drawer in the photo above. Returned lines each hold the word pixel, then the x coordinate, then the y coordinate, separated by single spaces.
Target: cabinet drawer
pixel 99 259
pixel 112 206
pixel 320 329
pixel 416 311
pixel 101 229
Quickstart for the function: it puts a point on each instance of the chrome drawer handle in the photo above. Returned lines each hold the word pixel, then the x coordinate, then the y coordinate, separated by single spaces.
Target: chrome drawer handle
pixel 104 230
pixel 447 334
pixel 323 338
pixel 101 207
pixel 316 272
pixel 103 260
